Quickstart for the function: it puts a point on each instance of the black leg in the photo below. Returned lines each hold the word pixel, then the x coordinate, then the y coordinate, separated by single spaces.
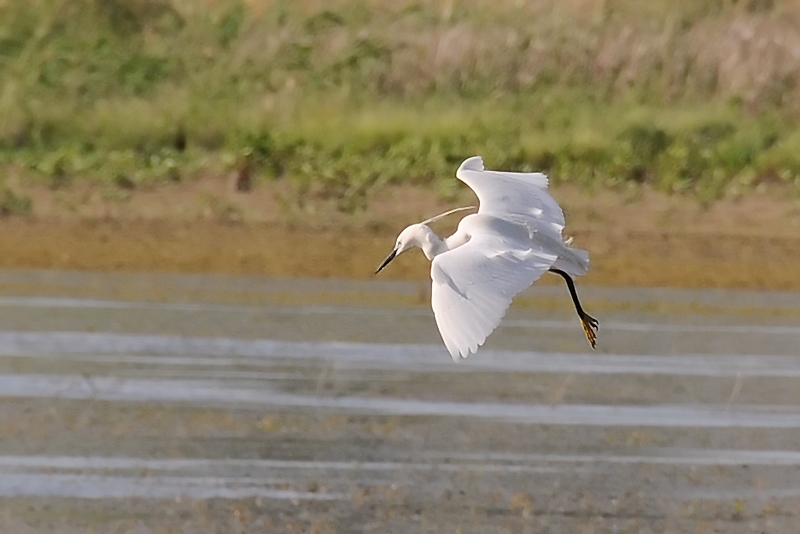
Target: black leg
pixel 588 322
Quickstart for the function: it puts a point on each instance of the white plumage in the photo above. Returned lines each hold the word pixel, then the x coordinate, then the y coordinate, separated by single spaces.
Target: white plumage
pixel 512 240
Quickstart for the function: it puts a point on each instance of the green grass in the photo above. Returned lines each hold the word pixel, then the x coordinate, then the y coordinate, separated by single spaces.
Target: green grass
pixel 343 98
pixel 14 204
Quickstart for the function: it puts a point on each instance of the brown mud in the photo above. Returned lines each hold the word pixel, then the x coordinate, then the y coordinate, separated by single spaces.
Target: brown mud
pixel 635 237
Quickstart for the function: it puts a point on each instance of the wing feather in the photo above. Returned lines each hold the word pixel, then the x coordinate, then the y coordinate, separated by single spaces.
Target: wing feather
pixel 473 285
pixel 515 196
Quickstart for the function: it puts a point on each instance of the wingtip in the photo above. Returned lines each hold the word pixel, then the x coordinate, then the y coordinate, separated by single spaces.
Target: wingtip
pixel 475 163
pixel 461 353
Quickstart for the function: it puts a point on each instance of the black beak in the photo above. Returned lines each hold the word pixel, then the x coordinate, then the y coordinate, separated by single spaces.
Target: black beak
pixel 389 258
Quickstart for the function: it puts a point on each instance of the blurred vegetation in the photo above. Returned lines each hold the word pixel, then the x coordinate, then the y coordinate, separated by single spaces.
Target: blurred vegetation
pixel 14 204
pixel 343 97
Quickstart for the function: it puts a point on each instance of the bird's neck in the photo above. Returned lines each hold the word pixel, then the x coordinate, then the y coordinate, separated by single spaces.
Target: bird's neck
pixel 431 244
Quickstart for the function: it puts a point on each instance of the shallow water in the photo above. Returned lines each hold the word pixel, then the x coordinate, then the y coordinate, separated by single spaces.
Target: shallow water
pixel 141 402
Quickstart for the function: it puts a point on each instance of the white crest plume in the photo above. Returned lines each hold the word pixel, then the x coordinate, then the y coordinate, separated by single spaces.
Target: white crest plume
pixel 445 214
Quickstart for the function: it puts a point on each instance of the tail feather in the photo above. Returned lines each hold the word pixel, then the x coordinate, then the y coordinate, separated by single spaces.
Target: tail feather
pixel 574 261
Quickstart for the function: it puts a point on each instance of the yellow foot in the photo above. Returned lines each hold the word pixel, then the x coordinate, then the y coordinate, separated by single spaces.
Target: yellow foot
pixel 590 326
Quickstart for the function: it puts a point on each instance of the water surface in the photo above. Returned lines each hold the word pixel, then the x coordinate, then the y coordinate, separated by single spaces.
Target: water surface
pixel 172 401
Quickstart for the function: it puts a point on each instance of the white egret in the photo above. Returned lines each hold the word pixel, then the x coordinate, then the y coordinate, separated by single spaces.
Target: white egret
pixel 512 240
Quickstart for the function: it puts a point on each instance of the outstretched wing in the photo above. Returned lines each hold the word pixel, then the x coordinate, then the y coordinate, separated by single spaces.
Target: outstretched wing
pixel 516 196
pixel 473 286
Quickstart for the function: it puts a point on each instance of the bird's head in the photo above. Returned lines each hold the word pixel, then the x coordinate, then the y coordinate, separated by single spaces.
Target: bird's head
pixel 408 239
pixel 415 235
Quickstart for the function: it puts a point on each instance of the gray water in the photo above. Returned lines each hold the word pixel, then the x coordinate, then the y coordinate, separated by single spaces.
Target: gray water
pixel 334 404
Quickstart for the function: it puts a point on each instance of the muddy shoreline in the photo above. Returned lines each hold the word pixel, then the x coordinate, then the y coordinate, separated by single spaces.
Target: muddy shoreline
pixel 635 237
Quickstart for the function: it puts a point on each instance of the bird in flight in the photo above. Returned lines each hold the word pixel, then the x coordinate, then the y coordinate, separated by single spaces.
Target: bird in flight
pixel 512 240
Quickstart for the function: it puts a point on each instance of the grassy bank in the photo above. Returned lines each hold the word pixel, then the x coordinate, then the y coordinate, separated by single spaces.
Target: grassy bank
pixel 344 98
